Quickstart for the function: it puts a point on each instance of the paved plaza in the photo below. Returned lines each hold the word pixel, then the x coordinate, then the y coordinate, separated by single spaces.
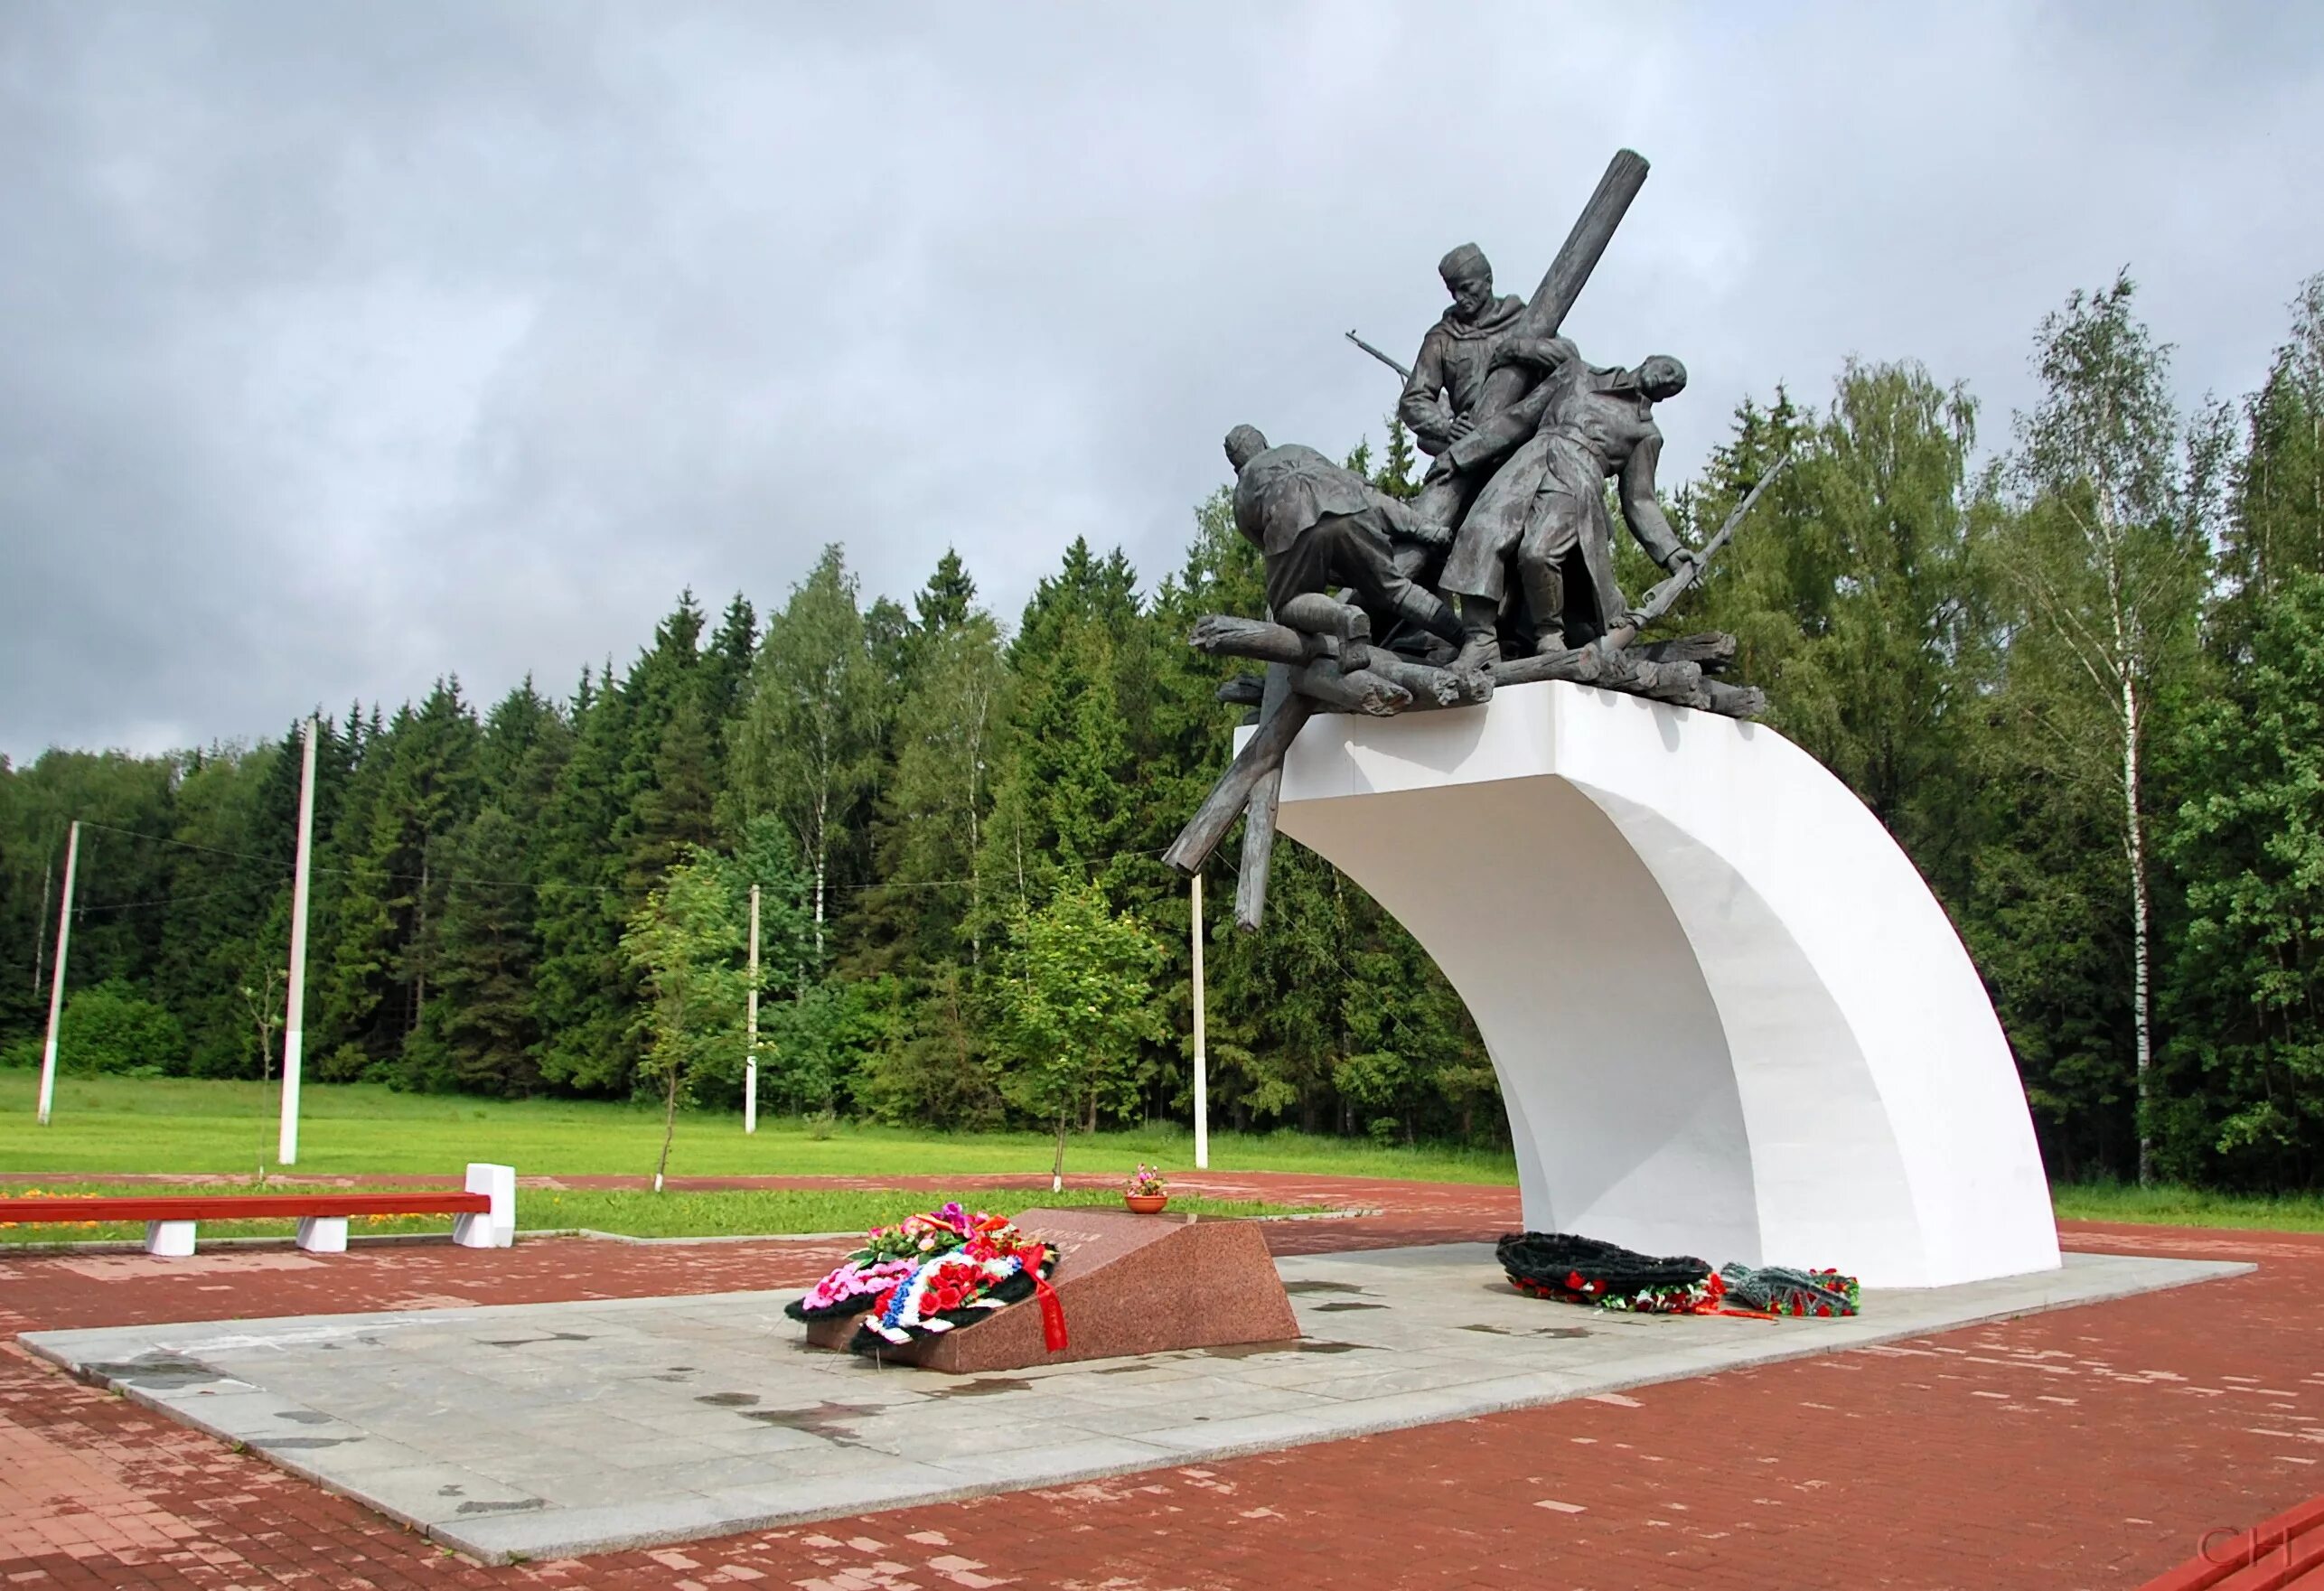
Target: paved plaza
pixel 2090 1446
pixel 553 1429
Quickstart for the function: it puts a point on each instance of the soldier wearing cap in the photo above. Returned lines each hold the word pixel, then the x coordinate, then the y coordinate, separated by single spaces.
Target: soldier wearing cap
pixel 1455 355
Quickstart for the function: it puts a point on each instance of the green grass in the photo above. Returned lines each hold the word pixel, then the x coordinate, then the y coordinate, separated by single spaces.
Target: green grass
pixel 2178 1206
pixel 186 1125
pixel 643 1215
pixel 111 1125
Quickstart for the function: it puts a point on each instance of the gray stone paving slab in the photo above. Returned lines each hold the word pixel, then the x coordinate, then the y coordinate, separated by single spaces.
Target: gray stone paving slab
pixel 548 1430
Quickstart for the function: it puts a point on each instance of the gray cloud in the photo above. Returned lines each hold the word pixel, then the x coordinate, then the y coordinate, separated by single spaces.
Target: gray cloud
pixel 346 345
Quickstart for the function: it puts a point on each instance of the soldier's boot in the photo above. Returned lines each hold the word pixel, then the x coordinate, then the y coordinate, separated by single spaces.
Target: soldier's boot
pixel 1480 640
pixel 1424 610
pixel 1545 594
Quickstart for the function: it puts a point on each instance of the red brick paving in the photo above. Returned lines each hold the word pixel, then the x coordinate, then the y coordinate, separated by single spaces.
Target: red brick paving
pixel 2091 1447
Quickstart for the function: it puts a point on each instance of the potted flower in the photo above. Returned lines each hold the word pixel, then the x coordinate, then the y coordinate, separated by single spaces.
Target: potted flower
pixel 1146 1193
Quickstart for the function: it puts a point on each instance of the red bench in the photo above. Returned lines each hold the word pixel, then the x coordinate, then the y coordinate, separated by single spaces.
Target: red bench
pixel 485 1211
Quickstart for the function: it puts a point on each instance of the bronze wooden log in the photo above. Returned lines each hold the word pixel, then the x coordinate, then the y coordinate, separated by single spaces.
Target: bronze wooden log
pixel 1224 804
pixel 1258 817
pixel 1736 701
pixel 1360 691
pixel 1713 649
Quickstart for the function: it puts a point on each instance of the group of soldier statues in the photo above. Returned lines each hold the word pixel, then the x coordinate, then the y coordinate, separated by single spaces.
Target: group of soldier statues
pixel 1523 433
pixel 1498 570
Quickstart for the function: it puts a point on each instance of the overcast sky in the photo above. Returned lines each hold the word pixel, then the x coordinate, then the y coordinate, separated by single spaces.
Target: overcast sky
pixel 344 345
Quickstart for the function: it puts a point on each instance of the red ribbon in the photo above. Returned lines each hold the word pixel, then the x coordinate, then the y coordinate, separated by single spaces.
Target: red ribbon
pixel 1053 1311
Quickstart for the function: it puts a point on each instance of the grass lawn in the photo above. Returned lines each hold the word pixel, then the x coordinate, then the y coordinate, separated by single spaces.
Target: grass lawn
pixel 2176 1206
pixel 642 1215
pixel 112 1123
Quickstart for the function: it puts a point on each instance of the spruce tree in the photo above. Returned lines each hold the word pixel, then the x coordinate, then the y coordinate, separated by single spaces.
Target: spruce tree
pixel 477 1032
pixel 580 996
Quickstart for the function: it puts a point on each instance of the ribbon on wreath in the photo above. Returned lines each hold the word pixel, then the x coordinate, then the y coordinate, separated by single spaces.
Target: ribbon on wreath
pixel 1052 1310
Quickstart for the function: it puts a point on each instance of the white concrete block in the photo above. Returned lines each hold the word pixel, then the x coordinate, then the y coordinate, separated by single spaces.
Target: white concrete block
pixel 1727 1016
pixel 171 1240
pixel 322 1234
pixel 497 1230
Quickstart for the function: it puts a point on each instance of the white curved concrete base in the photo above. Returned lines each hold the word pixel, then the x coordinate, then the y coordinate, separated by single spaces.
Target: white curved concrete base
pixel 1727 1016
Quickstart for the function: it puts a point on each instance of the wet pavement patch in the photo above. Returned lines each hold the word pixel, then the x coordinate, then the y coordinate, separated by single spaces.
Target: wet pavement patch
pixel 153 1372
pixel 981 1387
pixel 834 1422
pixel 1547 1331
pixel 1255 1350
pixel 300 1444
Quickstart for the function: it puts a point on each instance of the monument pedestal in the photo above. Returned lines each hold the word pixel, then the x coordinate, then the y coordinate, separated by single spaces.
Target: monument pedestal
pixel 1129 1283
pixel 1727 1016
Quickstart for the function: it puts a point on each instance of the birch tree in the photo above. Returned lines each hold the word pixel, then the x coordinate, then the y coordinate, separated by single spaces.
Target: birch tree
pixel 947 734
pixel 2106 556
pixel 806 744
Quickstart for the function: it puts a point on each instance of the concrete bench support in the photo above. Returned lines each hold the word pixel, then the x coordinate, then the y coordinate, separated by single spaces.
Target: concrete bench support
pixel 497 1230
pixel 171 1239
pixel 322 1234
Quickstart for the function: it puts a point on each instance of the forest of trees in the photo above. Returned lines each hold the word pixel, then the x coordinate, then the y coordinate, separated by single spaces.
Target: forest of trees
pixel 2078 671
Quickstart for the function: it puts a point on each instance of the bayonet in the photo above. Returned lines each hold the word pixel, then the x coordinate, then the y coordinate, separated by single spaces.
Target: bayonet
pixel 1397 366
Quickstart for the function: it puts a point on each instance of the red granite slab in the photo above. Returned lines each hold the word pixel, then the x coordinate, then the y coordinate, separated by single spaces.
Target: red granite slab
pixel 834 1331
pixel 1129 1283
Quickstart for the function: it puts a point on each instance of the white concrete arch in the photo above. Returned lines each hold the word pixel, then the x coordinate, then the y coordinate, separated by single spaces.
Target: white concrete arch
pixel 1727 1016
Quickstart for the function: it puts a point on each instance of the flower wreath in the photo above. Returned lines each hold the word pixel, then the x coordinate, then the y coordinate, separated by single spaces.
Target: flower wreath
pixel 1774 1290
pixel 955 1288
pixel 931 1272
pixel 1583 1271
pixel 888 1255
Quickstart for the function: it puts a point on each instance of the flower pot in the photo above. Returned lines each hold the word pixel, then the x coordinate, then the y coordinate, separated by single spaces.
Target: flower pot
pixel 1146 1203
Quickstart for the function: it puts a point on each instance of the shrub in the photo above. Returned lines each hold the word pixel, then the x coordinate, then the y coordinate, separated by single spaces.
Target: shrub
pixel 111 1027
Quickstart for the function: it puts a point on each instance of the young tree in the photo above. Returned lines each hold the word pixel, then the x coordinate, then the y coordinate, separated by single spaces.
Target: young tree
pixel 1077 1002
pixel 687 954
pixel 2107 558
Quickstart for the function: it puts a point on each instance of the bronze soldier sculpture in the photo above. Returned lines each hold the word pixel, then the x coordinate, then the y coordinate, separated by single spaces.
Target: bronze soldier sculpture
pixel 1547 503
pixel 1441 395
pixel 1321 526
pixel 1522 435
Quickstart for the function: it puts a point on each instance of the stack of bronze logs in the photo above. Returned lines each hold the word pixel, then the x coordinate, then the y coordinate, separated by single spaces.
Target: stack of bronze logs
pixel 1339 670
pixel 1329 664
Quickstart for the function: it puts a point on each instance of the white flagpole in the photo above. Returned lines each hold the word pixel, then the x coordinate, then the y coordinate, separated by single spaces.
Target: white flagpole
pixel 56 981
pixel 294 998
pixel 1202 1061
pixel 749 1056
